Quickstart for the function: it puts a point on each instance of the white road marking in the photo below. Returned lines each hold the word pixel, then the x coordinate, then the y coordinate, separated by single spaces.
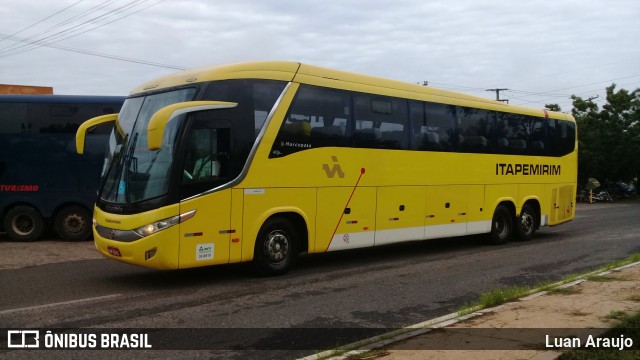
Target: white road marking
pixel 70 302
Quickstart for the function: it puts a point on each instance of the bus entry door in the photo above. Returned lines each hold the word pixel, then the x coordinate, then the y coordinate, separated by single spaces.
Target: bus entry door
pixel 205 238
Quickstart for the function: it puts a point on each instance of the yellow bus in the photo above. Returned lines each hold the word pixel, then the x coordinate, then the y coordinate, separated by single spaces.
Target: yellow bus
pixel 263 161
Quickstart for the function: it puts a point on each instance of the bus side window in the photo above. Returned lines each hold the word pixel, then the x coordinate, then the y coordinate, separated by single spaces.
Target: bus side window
pixel 318 117
pixel 565 137
pixel 47 118
pixel 381 122
pixel 537 139
pixel 513 133
pixel 13 118
pixel 475 130
pixel 439 128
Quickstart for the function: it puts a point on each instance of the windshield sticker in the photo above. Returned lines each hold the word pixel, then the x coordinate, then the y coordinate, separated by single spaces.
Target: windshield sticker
pixel 121 188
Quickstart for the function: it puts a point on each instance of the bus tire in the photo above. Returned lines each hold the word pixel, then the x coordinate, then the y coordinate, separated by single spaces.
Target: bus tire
pixel 276 247
pixel 73 223
pixel 23 223
pixel 501 226
pixel 526 223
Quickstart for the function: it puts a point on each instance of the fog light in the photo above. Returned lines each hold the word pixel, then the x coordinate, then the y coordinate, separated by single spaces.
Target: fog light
pixel 150 253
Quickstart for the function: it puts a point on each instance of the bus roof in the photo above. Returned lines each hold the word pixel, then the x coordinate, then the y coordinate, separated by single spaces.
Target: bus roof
pixel 315 75
pixel 75 99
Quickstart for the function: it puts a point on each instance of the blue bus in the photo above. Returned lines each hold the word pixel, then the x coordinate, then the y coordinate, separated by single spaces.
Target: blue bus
pixel 43 182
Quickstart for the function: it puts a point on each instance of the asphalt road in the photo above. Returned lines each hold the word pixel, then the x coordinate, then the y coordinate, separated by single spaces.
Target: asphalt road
pixel 332 297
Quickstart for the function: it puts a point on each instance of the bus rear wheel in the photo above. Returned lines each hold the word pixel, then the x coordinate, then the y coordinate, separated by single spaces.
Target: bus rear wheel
pixel 526 223
pixel 23 223
pixel 276 247
pixel 73 223
pixel 501 226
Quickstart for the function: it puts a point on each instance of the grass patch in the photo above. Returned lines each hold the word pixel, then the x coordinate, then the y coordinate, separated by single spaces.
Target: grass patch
pixel 504 295
pixel 605 278
pixel 494 298
pixel 617 315
pixel 373 354
pixel 565 290
pixel 628 326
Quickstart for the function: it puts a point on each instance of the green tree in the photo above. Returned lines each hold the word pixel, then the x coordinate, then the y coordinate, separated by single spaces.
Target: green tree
pixel 608 138
pixel 553 107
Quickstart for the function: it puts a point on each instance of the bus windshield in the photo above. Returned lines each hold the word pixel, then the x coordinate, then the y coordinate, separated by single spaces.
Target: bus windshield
pixel 132 172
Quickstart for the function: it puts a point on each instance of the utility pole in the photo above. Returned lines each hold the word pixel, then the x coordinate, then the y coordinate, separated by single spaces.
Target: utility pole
pixel 498 94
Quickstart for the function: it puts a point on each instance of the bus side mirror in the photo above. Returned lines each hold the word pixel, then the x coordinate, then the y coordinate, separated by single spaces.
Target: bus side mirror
pixel 159 120
pixel 81 133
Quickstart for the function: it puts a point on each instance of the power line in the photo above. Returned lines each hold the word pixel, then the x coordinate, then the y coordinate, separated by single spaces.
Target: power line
pixel 41 21
pixel 102 55
pixel 52 40
pixel 9 48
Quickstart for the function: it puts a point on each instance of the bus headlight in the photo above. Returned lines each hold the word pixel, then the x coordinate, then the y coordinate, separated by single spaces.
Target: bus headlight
pixel 163 224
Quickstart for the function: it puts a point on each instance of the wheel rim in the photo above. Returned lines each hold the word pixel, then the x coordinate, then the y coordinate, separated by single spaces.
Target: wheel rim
pixel 22 225
pixel 276 247
pixel 74 223
pixel 526 222
pixel 501 227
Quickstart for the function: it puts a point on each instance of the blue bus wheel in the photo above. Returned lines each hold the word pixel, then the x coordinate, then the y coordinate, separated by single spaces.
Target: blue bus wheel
pixel 73 223
pixel 23 223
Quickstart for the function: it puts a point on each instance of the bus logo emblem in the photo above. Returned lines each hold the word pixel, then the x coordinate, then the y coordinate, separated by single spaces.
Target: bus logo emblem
pixel 335 169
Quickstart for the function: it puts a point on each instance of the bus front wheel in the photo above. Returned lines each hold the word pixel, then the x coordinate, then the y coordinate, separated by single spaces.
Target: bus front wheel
pixel 73 223
pixel 23 223
pixel 501 226
pixel 276 247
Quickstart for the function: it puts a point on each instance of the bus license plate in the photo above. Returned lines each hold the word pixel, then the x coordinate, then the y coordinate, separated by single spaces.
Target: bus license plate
pixel 114 251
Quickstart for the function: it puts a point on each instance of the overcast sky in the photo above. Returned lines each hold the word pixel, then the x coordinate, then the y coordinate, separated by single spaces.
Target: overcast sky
pixel 543 51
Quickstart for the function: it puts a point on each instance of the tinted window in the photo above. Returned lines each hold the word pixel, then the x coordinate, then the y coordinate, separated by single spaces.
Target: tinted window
pixel 13 118
pixel 475 130
pixel 435 128
pixel 565 137
pixel 381 122
pixel 45 118
pixel 318 117
pixel 512 131
pixel 59 118
pixel 538 137
pixel 255 98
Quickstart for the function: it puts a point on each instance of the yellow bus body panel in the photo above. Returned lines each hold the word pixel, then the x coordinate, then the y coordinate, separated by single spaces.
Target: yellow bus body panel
pixel 262 203
pixel 165 242
pixel 205 239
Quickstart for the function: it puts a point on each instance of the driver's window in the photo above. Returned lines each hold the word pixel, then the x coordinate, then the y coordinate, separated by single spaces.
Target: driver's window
pixel 206 156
